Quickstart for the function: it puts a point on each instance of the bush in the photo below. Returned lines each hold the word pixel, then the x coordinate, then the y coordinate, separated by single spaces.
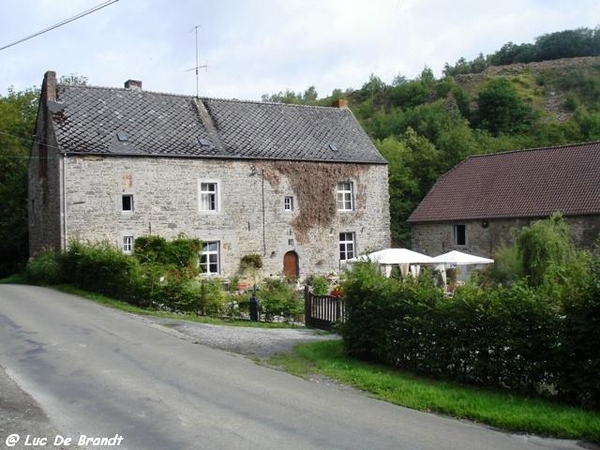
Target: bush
pixel 578 361
pixel 319 285
pixel 524 338
pixel 278 299
pixel 180 253
pixel 104 269
pixel 45 269
pixel 212 297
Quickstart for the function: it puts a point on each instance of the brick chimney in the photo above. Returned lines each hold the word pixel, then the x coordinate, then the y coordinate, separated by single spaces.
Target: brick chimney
pixel 341 103
pixel 135 85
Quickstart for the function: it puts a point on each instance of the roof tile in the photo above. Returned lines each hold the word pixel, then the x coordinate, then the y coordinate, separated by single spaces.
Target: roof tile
pixel 526 183
pixel 160 124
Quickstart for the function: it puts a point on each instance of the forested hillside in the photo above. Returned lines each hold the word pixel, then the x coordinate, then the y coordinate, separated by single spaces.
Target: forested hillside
pixel 425 126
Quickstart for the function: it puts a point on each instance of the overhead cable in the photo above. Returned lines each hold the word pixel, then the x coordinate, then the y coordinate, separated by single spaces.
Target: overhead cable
pixel 64 22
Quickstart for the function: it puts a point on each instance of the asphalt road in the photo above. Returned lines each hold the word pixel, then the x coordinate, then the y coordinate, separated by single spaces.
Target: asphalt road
pixel 103 373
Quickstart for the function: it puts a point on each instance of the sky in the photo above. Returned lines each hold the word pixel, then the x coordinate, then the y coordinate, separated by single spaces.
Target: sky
pixel 256 47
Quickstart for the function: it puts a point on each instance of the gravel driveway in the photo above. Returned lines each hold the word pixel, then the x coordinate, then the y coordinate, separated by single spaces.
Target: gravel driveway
pixel 262 343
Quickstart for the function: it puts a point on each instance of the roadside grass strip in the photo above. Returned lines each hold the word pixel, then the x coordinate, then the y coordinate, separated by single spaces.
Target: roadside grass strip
pixel 496 408
pixel 127 307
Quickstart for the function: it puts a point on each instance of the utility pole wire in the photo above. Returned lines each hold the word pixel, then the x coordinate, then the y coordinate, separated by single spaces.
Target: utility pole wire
pixel 60 24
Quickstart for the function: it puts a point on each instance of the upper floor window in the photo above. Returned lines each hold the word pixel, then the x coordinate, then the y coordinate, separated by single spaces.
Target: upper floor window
pixel 345 196
pixel 127 203
pixel 347 246
pixel 459 234
pixel 209 196
pixel 288 203
pixel 210 258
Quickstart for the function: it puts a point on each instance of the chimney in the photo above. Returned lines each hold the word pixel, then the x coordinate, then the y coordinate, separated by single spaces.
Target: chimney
pixel 49 86
pixel 135 85
pixel 341 103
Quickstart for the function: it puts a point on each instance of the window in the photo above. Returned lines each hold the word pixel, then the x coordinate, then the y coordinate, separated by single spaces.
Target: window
pixel 460 234
pixel 347 246
pixel 290 242
pixel 345 196
pixel 209 258
pixel 127 244
pixel 127 203
pixel 288 203
pixel 209 196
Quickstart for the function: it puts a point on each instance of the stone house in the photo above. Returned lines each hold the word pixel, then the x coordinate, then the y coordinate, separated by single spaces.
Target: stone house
pixel 476 206
pixel 302 186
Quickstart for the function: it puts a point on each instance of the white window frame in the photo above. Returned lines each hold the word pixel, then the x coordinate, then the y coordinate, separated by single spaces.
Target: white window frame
pixel 206 190
pixel 347 245
pixel 210 256
pixel 127 241
pixel 131 203
pixel 288 203
pixel 455 235
pixel 345 196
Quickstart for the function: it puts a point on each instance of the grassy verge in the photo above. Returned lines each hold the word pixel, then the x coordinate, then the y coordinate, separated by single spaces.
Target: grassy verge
pixel 127 307
pixel 495 408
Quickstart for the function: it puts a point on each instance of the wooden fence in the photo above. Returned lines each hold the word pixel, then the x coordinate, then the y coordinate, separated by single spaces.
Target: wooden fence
pixel 322 311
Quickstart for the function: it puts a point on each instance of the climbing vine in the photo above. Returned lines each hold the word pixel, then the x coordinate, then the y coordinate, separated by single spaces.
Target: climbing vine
pixel 313 184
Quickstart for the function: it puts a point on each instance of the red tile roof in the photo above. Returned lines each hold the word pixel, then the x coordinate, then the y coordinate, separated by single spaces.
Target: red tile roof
pixel 526 183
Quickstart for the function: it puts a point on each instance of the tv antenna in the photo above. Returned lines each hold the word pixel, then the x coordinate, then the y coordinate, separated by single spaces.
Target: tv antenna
pixel 198 66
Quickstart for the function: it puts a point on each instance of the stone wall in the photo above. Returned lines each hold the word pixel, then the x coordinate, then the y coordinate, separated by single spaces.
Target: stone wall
pixel 251 218
pixel 44 188
pixel 485 237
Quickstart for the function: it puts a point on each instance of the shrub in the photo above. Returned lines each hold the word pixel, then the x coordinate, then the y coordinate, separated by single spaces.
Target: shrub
pixel 319 285
pixel 212 297
pixel 518 337
pixel 578 362
pixel 180 253
pixel 45 268
pixel 278 299
pixel 104 269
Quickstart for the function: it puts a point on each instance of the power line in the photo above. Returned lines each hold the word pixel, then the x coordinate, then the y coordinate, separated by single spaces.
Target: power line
pixel 60 24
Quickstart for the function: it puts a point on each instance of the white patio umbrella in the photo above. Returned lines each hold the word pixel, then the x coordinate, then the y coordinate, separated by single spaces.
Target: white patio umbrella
pixel 406 259
pixel 455 258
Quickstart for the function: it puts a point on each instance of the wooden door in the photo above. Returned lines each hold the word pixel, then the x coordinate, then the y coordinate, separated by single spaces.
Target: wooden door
pixel 290 264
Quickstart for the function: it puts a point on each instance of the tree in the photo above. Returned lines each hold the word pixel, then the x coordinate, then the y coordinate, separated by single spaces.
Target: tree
pixel 501 110
pixel 545 246
pixel 17 113
pixel 404 188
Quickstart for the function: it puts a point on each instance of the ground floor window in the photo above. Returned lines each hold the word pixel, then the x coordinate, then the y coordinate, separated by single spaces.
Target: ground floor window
pixel 459 233
pixel 127 244
pixel 209 258
pixel 347 246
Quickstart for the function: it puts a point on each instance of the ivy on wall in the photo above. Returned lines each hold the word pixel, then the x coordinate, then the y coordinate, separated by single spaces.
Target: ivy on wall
pixel 313 185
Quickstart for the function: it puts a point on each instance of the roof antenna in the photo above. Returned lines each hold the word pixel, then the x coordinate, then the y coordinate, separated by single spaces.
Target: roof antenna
pixel 204 66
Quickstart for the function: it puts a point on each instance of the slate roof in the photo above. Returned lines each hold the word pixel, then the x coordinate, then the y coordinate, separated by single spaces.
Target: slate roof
pixel 113 121
pixel 526 183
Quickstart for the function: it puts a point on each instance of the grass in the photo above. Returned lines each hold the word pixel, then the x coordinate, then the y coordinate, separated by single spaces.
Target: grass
pixel 496 408
pixel 127 307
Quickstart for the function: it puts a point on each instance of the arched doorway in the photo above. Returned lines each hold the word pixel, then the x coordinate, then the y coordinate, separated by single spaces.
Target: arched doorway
pixel 291 267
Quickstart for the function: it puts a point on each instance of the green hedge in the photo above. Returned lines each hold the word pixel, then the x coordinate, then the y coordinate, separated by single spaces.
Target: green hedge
pixel 514 337
pixel 104 269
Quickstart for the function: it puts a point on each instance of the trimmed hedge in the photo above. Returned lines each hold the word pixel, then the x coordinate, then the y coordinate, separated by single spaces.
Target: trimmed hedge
pixel 514 337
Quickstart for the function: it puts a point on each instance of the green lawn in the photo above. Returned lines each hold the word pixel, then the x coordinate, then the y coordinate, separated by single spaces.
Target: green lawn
pixel 496 408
